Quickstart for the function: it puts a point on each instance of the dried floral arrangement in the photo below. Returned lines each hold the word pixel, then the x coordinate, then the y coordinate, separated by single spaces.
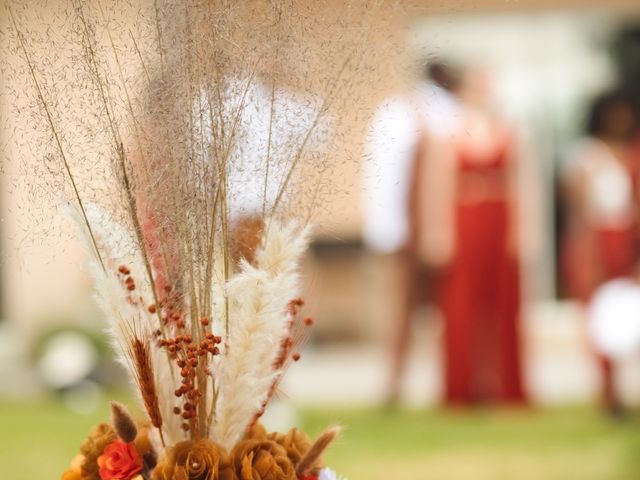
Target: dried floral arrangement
pixel 178 132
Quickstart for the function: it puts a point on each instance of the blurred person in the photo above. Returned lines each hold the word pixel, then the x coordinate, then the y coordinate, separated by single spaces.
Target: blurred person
pixel 398 133
pixel 601 192
pixel 470 232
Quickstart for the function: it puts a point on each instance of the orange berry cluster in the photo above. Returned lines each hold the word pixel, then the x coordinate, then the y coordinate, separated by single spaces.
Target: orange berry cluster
pixel 294 306
pixel 190 356
pixel 129 283
pixel 293 338
pixel 169 304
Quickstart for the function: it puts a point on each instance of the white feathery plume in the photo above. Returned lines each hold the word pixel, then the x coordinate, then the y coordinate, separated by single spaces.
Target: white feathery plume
pixel 258 298
pixel 281 249
pixel 118 247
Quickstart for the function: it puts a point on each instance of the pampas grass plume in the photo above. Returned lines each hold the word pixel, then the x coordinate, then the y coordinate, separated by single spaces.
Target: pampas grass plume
pixel 259 297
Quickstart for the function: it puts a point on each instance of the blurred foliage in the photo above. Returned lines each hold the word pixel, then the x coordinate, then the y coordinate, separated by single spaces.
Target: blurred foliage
pixel 39 438
pixel 95 336
pixel 625 51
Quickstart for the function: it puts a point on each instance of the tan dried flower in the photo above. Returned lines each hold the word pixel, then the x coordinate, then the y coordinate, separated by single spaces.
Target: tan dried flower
pixel 194 460
pixel 261 460
pixel 295 442
pixel 256 432
pixel 101 436
pixel 74 472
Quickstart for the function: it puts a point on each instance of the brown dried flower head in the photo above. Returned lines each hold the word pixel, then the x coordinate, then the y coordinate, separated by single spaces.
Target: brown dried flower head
pixel 261 460
pixel 194 460
pixel 295 442
pixel 101 436
pixel 123 422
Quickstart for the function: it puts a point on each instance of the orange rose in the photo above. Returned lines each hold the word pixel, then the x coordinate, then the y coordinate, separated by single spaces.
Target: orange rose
pixel 119 461
pixel 101 436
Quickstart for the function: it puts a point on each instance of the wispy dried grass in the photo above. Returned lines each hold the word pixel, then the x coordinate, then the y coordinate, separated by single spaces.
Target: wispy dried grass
pixel 169 124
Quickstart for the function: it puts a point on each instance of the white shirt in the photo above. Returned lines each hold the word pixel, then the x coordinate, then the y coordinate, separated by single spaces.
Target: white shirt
pixel 293 116
pixel 609 189
pixel 389 155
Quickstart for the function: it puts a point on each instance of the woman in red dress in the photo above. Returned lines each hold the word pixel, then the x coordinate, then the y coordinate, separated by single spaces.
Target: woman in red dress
pixel 471 232
pixel 601 233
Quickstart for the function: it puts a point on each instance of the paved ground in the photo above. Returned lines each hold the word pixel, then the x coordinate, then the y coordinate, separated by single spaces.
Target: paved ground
pixel 559 366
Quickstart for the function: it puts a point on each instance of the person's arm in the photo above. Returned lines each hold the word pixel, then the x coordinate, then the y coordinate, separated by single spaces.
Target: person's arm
pixel 580 265
pixel 436 238
pixel 527 223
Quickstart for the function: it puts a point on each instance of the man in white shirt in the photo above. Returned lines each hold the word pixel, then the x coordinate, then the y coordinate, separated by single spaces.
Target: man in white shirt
pixel 401 127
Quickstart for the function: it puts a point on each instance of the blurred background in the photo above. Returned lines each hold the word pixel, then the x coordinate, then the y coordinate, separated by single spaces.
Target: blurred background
pixel 474 281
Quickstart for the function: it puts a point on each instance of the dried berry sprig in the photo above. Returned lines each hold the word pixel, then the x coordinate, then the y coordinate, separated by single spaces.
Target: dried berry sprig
pixel 297 334
pixel 192 359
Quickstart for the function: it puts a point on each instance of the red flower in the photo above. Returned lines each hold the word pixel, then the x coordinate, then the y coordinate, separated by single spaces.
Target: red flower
pixel 119 461
pixel 309 477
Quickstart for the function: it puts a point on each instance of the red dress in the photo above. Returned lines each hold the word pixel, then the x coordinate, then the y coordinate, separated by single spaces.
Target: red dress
pixel 594 256
pixel 480 296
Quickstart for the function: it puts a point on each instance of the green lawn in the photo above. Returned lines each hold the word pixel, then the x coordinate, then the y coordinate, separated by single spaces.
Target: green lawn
pixel 37 439
pixel 558 444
